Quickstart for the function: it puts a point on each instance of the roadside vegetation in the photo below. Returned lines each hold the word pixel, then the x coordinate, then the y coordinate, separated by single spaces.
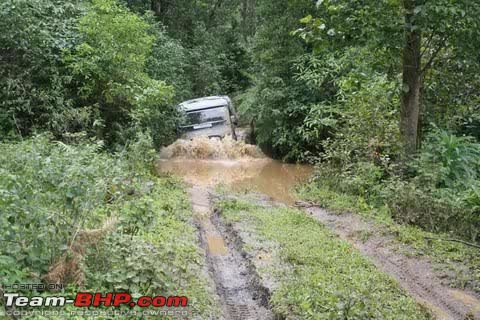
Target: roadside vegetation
pixel 87 91
pixel 456 261
pixel 97 222
pixel 316 275
pixel 329 83
pixel 333 85
pixel 382 96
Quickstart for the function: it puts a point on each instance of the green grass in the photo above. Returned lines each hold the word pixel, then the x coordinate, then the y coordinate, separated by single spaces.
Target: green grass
pixel 323 277
pixel 446 255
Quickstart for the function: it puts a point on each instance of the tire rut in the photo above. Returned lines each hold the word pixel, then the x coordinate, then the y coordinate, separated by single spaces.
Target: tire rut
pixel 415 275
pixel 236 283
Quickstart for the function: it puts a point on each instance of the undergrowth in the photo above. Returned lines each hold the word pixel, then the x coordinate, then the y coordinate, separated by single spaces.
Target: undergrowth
pixel 95 221
pixel 325 278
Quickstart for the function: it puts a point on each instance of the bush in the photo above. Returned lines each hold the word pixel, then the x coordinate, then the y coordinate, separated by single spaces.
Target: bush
pixel 109 70
pixel 48 191
pixel 75 215
pixel 33 79
pixel 448 161
pixel 437 190
pixel 438 210
pixel 153 250
pixel 51 190
pixel 362 150
pixel 443 193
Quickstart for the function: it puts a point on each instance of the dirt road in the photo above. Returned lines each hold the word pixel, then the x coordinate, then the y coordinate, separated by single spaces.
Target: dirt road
pixel 237 284
pixel 416 275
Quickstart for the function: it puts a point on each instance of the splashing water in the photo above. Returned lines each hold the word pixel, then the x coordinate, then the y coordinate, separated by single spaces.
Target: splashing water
pixel 243 167
pixel 205 148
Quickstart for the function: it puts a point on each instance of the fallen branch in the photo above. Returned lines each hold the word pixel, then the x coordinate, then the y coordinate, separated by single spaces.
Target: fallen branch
pixel 455 240
pixel 305 204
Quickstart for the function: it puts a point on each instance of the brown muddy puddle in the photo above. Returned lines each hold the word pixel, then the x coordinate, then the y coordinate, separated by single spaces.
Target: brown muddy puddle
pixel 234 164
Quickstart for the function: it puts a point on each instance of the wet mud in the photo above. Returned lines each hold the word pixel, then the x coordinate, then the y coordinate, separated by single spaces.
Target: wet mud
pixel 416 275
pixel 237 285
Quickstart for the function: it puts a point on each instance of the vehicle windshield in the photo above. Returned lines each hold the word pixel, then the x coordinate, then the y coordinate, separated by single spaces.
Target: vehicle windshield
pixel 213 115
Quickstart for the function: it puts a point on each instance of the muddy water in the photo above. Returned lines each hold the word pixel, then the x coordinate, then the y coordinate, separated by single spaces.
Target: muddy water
pixel 242 167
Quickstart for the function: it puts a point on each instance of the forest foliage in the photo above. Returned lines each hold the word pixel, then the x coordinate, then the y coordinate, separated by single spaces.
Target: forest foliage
pixel 74 215
pixel 383 96
pixel 109 69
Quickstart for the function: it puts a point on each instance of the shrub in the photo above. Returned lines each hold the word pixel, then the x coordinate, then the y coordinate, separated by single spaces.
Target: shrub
pixel 443 193
pixel 109 70
pixel 76 215
pixel 449 161
pixel 33 79
pixel 434 210
pixel 438 190
pixel 50 190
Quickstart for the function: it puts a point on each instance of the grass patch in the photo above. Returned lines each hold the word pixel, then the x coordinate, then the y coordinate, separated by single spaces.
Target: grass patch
pixel 326 278
pixel 446 255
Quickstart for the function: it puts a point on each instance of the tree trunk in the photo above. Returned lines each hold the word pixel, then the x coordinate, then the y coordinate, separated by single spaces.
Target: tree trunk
pixel 412 80
pixel 156 6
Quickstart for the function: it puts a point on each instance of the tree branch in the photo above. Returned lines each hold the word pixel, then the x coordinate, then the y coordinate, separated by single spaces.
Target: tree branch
pixel 214 10
pixel 427 44
pixel 440 47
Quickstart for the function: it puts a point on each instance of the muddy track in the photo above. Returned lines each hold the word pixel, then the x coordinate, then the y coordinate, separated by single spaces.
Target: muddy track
pixel 237 284
pixel 416 275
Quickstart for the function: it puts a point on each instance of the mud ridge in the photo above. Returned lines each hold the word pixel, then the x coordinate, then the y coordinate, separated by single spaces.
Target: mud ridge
pixel 415 275
pixel 237 284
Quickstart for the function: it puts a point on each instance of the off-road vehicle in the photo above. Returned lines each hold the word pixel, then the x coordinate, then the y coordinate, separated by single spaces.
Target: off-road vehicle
pixel 214 117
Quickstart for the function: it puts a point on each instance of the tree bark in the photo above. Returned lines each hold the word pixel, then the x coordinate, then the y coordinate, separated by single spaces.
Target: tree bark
pixel 248 14
pixel 156 6
pixel 161 9
pixel 412 80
